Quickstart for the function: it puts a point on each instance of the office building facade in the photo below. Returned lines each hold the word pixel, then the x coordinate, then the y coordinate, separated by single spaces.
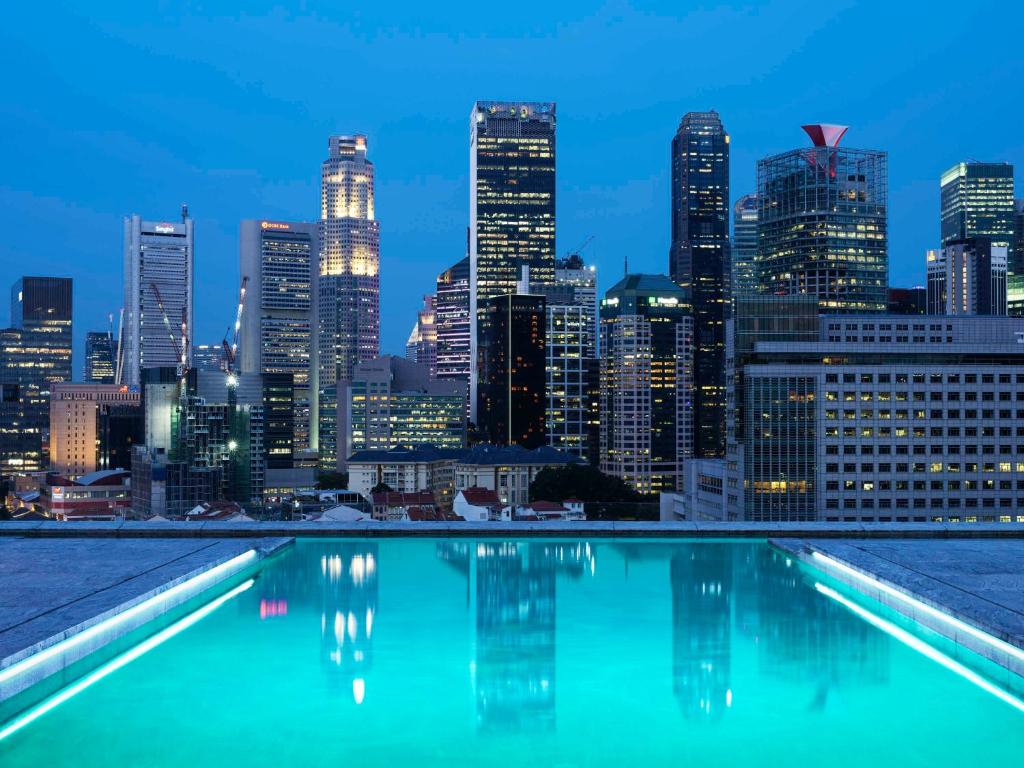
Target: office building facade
pixel 976 200
pixel 823 225
pixel 280 259
pixel 35 354
pixel 908 301
pixel 888 419
pixel 967 277
pixel 572 367
pixel 744 280
pixel 100 358
pixel 393 402
pixel 511 204
pixel 421 347
pixel 93 427
pixel 511 361
pixel 451 318
pixel 348 292
pixel 646 409
pixel 158 272
pixel 700 263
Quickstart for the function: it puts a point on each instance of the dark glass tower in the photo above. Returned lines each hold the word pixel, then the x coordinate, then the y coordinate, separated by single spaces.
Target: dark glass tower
pixel 511 360
pixel 699 262
pixel 744 247
pixel 822 223
pixel 100 357
pixel 34 353
pixel 511 203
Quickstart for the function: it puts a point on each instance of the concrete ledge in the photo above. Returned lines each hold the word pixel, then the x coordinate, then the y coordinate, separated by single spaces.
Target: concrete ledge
pixel 591 529
pixel 54 623
pixel 977 584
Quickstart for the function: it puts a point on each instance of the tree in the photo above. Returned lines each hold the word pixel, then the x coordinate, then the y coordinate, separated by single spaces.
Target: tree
pixel 382 487
pixel 580 481
pixel 331 481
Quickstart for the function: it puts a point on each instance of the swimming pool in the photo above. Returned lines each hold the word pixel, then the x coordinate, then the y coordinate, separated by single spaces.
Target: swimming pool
pixel 540 652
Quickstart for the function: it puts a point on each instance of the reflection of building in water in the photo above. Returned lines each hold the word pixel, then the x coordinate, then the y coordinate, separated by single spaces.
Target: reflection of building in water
pixel 511 596
pixel 701 578
pixel 348 575
pixel 804 636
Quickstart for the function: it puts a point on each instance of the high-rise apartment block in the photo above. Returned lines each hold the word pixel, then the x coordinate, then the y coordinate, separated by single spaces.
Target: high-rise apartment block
pixel 572 366
pixel 967 277
pixel 744 247
pixel 280 260
pixel 100 357
pixel 393 402
pixel 35 353
pixel 511 362
pixel 646 410
pixel 822 223
pixel 700 263
pixel 511 204
pixel 348 308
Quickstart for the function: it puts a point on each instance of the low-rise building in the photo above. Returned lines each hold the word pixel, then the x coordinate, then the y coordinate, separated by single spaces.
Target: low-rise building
pixel 395 505
pixel 405 470
pixel 507 470
pixel 102 495
pixel 477 505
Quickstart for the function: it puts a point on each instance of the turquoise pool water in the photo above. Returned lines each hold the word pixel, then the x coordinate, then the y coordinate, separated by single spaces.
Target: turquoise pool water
pixel 539 653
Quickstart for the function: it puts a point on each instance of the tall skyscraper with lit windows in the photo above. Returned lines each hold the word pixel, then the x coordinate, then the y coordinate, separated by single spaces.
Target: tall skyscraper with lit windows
pixel 976 200
pixel 744 247
pixel 158 269
pixel 823 223
pixel 699 262
pixel 35 353
pixel 451 317
pixel 511 204
pixel 280 259
pixel 348 294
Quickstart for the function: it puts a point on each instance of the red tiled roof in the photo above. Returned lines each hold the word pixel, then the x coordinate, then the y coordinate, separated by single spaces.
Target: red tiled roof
pixel 399 499
pixel 480 496
pixel 546 506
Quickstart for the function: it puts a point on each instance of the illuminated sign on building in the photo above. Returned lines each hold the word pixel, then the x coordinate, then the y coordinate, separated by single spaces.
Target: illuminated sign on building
pixel 274 225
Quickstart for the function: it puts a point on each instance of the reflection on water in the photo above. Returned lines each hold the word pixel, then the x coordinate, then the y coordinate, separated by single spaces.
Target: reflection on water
pixel 511 593
pixel 348 579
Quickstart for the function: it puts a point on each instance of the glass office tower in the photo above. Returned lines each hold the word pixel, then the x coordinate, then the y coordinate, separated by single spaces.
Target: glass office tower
pixel 822 223
pixel 744 247
pixel 700 263
pixel 511 202
pixel 976 200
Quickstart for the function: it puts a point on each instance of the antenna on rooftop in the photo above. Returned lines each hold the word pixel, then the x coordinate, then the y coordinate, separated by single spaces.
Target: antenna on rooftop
pixel 184 212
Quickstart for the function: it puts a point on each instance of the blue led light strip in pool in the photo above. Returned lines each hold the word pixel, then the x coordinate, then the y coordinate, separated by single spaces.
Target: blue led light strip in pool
pixel 935 613
pixel 196 583
pixel 115 664
pixel 922 647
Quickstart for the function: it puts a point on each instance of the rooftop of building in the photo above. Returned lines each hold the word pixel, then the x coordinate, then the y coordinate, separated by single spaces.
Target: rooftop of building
pixel 643 283
pixel 480 497
pixel 400 499
pixel 481 454
pixel 99 477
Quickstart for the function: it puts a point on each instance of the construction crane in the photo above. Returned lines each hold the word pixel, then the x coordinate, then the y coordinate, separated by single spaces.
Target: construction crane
pixel 231 351
pixel 578 250
pixel 180 348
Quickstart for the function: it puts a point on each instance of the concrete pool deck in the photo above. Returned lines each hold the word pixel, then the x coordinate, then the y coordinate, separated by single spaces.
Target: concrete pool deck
pixel 55 589
pixel 978 583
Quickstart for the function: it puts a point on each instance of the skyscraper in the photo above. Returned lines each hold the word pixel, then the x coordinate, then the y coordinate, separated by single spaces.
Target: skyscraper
pixel 348 308
pixel 822 223
pixel 158 267
pixel 744 247
pixel 421 346
pixel 1015 294
pixel 511 203
pixel 511 365
pixel 967 277
pixel 100 357
pixel 280 259
pixel 699 263
pixel 976 200
pixel 34 354
pixel 646 382
pixel 451 318
pixel 572 368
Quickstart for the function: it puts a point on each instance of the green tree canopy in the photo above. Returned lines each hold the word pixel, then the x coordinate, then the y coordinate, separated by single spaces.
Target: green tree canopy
pixel 580 481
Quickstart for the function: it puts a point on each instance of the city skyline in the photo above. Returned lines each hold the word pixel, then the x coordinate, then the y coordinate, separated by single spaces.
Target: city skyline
pixel 421 195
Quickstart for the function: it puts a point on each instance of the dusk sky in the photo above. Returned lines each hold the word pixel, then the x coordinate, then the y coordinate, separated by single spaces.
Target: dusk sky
pixel 118 108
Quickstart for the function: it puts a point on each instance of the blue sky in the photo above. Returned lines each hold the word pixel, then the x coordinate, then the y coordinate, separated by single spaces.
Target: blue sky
pixel 113 108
